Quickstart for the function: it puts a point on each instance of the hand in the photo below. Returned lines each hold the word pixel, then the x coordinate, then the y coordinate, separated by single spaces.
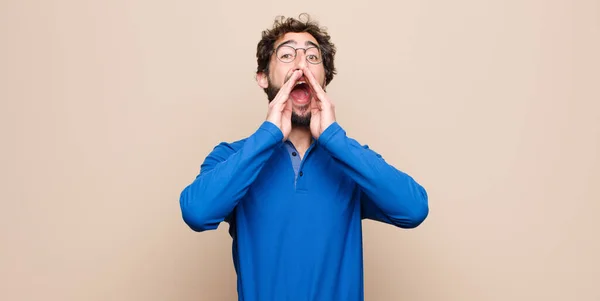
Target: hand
pixel 322 109
pixel 280 108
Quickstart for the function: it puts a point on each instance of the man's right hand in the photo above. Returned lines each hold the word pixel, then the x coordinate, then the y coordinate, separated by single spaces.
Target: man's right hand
pixel 280 109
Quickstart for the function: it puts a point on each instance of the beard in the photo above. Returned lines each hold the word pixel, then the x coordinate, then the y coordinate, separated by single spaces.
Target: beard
pixel 297 120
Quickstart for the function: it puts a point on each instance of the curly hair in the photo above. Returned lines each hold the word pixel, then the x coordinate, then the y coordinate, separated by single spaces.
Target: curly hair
pixel 283 25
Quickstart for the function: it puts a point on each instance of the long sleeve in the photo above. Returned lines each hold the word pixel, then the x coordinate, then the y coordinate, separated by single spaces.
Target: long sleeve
pixel 224 178
pixel 388 194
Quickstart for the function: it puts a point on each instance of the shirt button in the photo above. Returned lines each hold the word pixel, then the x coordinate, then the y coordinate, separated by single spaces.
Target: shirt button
pixel 294 154
pixel 301 173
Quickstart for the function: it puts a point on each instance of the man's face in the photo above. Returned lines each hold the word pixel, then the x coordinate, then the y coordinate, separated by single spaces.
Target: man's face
pixel 281 68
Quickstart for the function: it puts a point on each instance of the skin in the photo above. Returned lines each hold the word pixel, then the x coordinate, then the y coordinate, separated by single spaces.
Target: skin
pixel 285 75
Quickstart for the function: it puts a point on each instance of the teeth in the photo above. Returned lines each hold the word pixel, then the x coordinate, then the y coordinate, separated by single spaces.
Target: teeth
pixel 300 82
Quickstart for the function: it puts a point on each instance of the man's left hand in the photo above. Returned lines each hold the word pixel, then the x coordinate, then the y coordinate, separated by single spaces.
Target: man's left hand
pixel 322 109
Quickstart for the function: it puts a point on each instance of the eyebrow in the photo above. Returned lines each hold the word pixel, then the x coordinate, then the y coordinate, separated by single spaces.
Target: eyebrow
pixel 307 43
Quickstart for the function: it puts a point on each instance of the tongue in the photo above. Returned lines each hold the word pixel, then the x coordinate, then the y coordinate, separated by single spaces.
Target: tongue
pixel 300 95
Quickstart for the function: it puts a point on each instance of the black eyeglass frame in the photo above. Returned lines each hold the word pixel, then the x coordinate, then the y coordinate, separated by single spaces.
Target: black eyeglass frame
pixel 296 53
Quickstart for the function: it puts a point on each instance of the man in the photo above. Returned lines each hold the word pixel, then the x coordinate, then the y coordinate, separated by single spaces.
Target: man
pixel 295 191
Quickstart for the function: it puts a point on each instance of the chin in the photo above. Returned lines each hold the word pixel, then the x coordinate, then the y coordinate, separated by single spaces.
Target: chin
pixel 301 119
pixel 302 110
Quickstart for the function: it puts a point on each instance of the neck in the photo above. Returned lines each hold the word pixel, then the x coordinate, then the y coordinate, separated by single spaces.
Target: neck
pixel 301 138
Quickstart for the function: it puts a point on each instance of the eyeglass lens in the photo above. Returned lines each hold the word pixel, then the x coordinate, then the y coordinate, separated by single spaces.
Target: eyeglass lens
pixel 288 54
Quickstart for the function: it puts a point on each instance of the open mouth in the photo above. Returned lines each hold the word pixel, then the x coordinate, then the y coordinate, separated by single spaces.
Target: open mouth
pixel 301 92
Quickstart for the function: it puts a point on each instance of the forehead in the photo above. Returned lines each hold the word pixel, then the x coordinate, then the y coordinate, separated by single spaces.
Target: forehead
pixel 298 39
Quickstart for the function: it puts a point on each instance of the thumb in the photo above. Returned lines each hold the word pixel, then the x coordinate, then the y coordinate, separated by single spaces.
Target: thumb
pixel 287 108
pixel 314 107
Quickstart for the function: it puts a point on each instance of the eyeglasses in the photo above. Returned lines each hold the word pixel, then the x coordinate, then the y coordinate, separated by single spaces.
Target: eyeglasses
pixel 287 54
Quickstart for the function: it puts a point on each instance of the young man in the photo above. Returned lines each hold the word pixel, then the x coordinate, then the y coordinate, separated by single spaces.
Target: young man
pixel 295 191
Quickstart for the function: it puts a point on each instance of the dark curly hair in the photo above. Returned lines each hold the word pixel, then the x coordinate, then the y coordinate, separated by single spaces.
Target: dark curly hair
pixel 283 25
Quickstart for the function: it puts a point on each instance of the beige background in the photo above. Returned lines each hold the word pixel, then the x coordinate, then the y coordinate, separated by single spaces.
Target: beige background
pixel 109 108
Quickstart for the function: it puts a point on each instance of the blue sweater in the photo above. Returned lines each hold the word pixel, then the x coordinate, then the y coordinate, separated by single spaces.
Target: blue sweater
pixel 296 224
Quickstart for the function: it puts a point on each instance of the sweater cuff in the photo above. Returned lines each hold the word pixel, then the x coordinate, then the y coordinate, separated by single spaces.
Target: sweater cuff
pixel 330 132
pixel 271 128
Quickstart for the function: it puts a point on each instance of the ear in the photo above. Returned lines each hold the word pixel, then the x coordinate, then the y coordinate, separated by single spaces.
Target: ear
pixel 262 80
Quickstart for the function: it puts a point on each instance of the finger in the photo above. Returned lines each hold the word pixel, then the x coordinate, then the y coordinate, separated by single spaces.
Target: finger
pixel 288 108
pixel 315 117
pixel 315 113
pixel 315 105
pixel 313 83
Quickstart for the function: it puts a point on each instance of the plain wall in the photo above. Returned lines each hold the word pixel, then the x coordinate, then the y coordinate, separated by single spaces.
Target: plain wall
pixel 108 108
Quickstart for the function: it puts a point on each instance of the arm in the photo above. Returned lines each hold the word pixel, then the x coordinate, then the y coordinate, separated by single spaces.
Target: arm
pixel 388 195
pixel 225 176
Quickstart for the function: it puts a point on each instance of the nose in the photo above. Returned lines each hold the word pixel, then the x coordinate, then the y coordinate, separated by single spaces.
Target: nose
pixel 300 60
